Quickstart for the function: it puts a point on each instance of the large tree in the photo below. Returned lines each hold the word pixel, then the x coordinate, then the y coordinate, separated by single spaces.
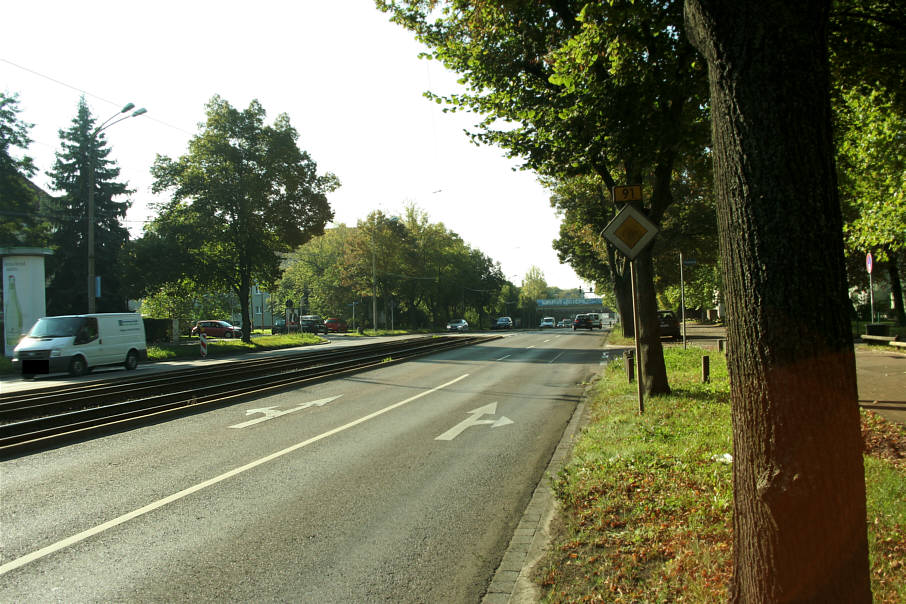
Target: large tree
pixel 871 154
pixel 799 485
pixel 574 88
pixel 81 150
pixel 243 194
pixel 20 219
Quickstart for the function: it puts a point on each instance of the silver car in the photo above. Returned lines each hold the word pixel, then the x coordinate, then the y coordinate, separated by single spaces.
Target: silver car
pixel 458 325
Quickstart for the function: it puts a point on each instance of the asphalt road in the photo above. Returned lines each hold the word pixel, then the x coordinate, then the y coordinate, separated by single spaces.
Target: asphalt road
pixel 402 484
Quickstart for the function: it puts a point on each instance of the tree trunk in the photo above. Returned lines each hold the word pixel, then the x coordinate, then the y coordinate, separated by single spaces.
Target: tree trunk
pixel 244 289
pixel 799 484
pixel 896 287
pixel 622 290
pixel 653 368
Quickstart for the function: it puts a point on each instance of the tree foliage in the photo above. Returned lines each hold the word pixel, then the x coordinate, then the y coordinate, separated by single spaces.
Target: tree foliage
pixel 21 222
pixel 242 195
pixel 68 267
pixel 416 273
pixel 576 89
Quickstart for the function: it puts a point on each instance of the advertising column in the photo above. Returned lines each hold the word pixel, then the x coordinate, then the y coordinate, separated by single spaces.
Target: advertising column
pixel 23 295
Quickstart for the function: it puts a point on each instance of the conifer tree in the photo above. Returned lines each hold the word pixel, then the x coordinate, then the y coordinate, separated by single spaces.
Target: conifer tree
pixel 20 221
pixel 68 267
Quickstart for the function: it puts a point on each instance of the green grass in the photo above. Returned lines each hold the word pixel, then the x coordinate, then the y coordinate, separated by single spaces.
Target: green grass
pixel 189 348
pixel 647 501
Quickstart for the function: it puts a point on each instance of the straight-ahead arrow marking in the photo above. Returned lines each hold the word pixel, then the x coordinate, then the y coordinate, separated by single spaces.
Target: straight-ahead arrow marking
pixel 271 413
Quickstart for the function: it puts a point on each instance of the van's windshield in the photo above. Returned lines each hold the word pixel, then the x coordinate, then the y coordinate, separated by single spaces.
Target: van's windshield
pixel 56 327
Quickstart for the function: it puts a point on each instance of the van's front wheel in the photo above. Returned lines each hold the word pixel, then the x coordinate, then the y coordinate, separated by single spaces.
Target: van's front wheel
pixel 77 366
pixel 131 361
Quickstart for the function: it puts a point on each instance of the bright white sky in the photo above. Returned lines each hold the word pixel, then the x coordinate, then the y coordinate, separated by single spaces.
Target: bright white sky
pixel 349 79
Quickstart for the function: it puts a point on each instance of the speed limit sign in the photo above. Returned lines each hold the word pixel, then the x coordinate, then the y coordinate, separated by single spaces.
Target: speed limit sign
pixel 868 262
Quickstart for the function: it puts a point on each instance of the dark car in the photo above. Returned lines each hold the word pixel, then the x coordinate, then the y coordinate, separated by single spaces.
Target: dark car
pixel 312 324
pixel 582 322
pixel 335 325
pixel 503 323
pixel 279 326
pixel 217 329
pixel 668 324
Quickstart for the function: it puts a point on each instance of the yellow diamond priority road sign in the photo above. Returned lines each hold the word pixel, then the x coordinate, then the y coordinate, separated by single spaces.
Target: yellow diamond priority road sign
pixel 630 231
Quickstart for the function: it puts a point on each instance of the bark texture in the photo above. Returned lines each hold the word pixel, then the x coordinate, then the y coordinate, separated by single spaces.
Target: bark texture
pixel 799 485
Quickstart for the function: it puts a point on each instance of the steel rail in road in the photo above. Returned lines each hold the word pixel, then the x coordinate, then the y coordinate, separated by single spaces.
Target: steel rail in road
pixel 46 417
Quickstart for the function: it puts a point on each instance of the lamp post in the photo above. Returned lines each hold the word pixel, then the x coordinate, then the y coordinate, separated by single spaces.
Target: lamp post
pixel 92 302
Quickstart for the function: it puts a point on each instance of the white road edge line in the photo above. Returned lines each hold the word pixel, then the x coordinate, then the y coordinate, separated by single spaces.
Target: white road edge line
pixel 55 547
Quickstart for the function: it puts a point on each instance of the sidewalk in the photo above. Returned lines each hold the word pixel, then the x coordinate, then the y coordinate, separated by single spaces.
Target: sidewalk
pixel 880 371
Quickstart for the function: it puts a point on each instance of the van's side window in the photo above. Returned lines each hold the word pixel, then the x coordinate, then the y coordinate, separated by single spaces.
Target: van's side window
pixel 88 331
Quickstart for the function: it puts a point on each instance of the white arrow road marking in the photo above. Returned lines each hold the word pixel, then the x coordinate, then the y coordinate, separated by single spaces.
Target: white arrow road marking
pixel 475 421
pixel 86 534
pixel 271 413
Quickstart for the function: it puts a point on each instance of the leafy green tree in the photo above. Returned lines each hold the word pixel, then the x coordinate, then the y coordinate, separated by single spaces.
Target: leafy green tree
pixel 573 88
pixel 868 48
pixel 68 267
pixel 20 219
pixel 243 195
pixel 871 162
pixel 798 478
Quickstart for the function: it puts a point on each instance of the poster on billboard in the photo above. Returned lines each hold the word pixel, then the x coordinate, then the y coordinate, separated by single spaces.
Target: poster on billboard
pixel 23 296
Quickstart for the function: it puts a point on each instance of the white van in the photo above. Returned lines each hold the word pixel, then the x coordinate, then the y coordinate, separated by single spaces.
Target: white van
pixel 595 320
pixel 76 343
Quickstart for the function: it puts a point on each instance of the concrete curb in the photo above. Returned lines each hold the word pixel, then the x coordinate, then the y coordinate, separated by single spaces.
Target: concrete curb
pixel 512 583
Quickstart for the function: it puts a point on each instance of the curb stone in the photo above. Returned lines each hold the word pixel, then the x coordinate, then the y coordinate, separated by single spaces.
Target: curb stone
pixel 512 582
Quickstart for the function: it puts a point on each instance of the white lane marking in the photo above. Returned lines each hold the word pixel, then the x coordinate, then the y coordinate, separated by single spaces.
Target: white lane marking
pixel 55 547
pixel 506 356
pixel 555 358
pixel 269 412
pixel 546 341
pixel 532 346
pixel 475 421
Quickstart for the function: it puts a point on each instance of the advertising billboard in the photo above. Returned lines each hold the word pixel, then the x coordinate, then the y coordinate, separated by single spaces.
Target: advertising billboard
pixel 23 297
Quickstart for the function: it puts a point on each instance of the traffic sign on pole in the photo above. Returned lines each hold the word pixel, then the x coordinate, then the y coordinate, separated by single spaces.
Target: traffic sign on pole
pixel 868 262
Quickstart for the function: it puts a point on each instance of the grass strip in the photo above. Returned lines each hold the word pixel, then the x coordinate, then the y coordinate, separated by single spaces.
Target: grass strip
pixel 646 502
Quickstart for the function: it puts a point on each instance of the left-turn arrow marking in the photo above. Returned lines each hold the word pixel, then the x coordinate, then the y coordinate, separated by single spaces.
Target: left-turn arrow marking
pixel 272 412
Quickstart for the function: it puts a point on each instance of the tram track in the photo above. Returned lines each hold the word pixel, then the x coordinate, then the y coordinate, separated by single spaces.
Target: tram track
pixel 38 419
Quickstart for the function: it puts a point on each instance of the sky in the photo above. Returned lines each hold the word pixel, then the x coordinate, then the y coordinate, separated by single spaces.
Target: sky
pixel 349 79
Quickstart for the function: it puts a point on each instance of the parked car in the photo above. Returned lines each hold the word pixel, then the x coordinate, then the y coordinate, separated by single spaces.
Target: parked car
pixel 458 325
pixel 564 323
pixel 547 322
pixel 582 322
pixel 279 326
pixel 217 329
pixel 312 324
pixel 76 343
pixel 335 325
pixel 503 323
pixel 668 324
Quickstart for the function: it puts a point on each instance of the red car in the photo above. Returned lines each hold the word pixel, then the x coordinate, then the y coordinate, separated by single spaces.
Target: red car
pixel 217 329
pixel 335 325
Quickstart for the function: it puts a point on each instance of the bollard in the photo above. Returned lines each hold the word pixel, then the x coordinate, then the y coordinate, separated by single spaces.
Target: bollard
pixel 722 345
pixel 706 369
pixel 629 362
pixel 203 343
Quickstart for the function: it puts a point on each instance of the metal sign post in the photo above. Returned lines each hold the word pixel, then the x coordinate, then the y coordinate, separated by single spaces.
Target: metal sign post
pixel 631 232
pixel 871 291
pixel 682 296
pixel 638 344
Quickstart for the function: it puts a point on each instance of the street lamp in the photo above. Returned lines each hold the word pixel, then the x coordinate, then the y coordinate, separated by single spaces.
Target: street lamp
pixel 92 303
